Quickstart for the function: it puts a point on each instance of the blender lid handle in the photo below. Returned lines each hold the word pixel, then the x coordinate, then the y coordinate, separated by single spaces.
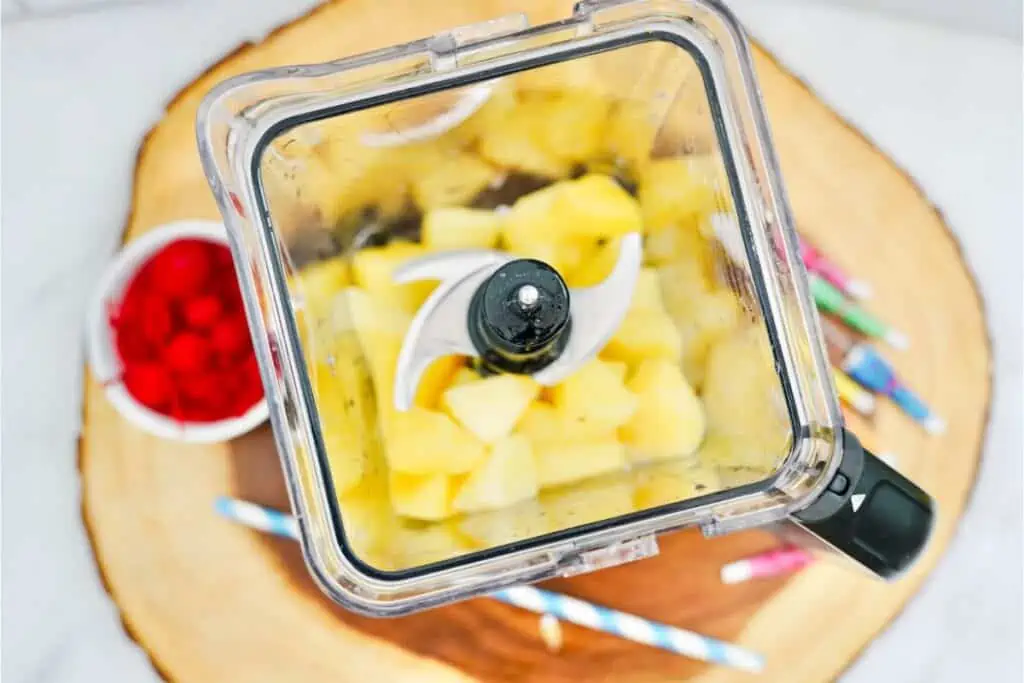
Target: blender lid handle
pixel 871 513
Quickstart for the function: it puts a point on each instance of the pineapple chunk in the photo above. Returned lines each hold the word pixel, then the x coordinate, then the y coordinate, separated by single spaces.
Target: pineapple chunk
pixel 489 408
pixel 367 519
pixel 566 462
pixel 438 376
pixel 595 207
pixel 464 375
pixel 592 501
pixel 669 420
pixel 670 244
pixel 714 315
pixel 514 144
pixel 543 424
pixel 456 179
pixel 320 282
pixel 647 293
pixel 595 397
pixel 644 333
pixel 500 527
pixel 416 544
pixel 508 476
pixel 670 482
pixel 421 496
pixel 630 133
pixel 743 401
pixel 421 441
pixel 357 309
pixel 373 269
pixel 675 190
pixel 343 421
pixel 570 126
pixel 531 219
pixel 595 264
pixel 460 228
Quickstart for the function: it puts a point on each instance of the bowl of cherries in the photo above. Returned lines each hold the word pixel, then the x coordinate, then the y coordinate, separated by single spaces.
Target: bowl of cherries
pixel 168 337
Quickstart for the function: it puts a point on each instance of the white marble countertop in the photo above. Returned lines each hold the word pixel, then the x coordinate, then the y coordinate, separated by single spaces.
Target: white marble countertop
pixel 79 92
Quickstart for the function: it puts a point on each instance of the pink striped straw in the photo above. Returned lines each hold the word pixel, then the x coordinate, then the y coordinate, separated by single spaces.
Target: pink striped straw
pixel 777 562
pixel 817 263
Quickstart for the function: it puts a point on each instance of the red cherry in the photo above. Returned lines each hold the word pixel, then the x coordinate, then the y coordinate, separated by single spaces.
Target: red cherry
pixel 131 345
pixel 181 269
pixel 154 321
pixel 230 336
pixel 150 384
pixel 203 312
pixel 187 353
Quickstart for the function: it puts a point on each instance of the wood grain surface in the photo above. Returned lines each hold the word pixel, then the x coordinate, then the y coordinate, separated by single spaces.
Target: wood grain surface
pixel 210 601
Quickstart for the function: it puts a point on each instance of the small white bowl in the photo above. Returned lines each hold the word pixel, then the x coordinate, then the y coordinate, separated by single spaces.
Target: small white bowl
pixel 103 355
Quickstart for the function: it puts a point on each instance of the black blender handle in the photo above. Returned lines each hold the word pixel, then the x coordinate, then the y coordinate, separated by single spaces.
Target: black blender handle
pixel 871 513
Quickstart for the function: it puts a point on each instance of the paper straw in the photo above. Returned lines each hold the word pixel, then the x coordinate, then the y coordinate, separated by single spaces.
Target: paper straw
pixel 631 627
pixel 817 263
pixel 257 517
pixel 831 300
pixel 539 601
pixel 870 370
pixel 853 394
pixel 776 562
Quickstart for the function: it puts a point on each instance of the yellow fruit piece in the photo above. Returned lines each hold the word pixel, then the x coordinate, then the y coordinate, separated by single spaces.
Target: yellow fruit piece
pixel 320 282
pixel 508 476
pixel 669 420
pixel 567 462
pixel 713 316
pixel 682 282
pixel 368 520
pixel 597 259
pixel 542 424
pixel 595 207
pixel 421 441
pixel 417 544
pixel 500 527
pixel 570 125
pixel 464 375
pixel 595 397
pixel 456 179
pixel 421 496
pixel 356 177
pixel 344 421
pixel 644 333
pixel 531 220
pixel 489 408
pixel 670 482
pixel 373 269
pixel 460 228
pixel 743 401
pixel 357 309
pixel 629 136
pixel 435 380
pixel 670 244
pixel 677 190
pixel 514 145
pixel 591 501
pixel 647 293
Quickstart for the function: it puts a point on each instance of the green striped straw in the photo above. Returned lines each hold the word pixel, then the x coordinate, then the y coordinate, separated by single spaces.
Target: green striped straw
pixel 831 300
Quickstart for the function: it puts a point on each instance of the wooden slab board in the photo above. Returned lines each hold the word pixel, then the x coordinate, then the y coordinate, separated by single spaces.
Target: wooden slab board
pixel 210 601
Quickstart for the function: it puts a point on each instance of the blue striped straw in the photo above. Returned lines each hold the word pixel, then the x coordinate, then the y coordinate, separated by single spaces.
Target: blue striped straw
pixel 540 601
pixel 631 627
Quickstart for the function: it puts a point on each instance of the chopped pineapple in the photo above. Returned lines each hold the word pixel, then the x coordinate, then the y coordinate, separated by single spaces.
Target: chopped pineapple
pixel 367 518
pixel 595 207
pixel 514 144
pixel 320 282
pixel 421 496
pixel 647 293
pixel 541 423
pixel 489 408
pixel 464 375
pixel 674 191
pixel 669 245
pixel 357 309
pixel 630 133
pixel 714 315
pixel 644 333
pixel 438 376
pixel 416 544
pixel 530 220
pixel 566 462
pixel 508 476
pixel 669 482
pixel 591 501
pixel 743 401
pixel 373 269
pixel 570 126
pixel 421 441
pixel 669 420
pixel 460 228
pixel 499 527
pixel 456 179
pixel 343 420
pixel 595 397
pixel 597 259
